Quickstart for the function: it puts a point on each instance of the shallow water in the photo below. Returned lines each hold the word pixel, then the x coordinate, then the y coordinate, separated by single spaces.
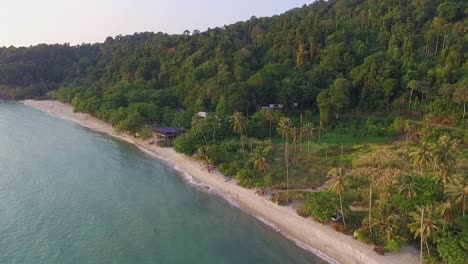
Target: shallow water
pixel 70 195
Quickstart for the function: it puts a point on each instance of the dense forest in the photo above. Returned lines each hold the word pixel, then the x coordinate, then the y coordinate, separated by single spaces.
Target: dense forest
pixel 370 120
pixel 328 57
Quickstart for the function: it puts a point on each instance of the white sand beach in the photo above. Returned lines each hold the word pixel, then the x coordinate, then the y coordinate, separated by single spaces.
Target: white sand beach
pixel 321 239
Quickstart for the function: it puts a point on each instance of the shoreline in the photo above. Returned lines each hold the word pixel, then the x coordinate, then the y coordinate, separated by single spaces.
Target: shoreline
pixel 323 241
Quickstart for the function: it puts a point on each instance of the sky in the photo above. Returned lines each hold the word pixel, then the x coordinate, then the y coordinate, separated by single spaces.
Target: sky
pixel 30 22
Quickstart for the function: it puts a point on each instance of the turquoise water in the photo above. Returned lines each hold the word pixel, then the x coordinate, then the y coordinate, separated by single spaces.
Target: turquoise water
pixel 70 195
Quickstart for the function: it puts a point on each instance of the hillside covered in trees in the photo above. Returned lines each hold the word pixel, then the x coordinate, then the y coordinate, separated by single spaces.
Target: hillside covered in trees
pixel 328 57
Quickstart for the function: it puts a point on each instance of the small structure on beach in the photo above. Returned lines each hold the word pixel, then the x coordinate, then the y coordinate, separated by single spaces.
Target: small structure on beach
pixel 167 133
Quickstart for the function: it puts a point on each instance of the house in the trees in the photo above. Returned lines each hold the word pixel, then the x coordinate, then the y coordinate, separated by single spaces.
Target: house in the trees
pixel 201 115
pixel 167 133
pixel 272 107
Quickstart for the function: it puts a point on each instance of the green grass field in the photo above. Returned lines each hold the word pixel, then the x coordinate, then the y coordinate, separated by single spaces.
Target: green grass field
pixel 335 149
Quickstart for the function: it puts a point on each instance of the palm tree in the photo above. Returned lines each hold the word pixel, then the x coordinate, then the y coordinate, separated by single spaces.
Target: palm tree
pixel 426 224
pixel 202 154
pixel 239 125
pixel 260 157
pixel 269 117
pixel 385 218
pixel 370 208
pixel 196 123
pixel 445 154
pixel 421 156
pixel 457 189
pixel 308 131
pixel 338 186
pixel 284 130
pixel 294 133
pixel 445 211
pixel 320 127
pixel 408 127
pixel 408 187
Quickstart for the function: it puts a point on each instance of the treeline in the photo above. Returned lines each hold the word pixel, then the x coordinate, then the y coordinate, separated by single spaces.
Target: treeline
pixel 327 57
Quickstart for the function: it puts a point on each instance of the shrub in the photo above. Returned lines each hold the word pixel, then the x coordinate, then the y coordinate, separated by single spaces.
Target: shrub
pixel 363 235
pixel 186 143
pixel 246 178
pixel 322 205
pixel 228 169
pixel 394 245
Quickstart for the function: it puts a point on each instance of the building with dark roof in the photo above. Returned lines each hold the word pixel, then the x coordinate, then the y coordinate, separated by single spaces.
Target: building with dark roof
pixel 167 133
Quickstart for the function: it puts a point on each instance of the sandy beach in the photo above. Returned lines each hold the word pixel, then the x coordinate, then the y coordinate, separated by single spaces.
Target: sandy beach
pixel 322 240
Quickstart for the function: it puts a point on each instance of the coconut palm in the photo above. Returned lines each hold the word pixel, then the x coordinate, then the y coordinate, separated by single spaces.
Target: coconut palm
pixel 196 124
pixel 426 224
pixel 384 217
pixel 445 211
pixel 294 134
pixel 260 157
pixel 445 153
pixel 320 127
pixel 408 187
pixel 269 117
pixel 239 125
pixel 202 155
pixel 284 130
pixel 457 190
pixel 421 156
pixel 308 131
pixel 338 186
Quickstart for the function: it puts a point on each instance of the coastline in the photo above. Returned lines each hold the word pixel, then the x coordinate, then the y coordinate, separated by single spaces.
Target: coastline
pixel 323 241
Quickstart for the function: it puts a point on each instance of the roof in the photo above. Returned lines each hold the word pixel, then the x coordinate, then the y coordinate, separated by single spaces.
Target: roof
pixel 168 130
pixel 202 114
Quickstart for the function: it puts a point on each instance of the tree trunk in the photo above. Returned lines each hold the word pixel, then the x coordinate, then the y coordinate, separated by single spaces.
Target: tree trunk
pixel 203 135
pixel 464 201
pixel 295 148
pixel 318 140
pixel 270 129
pixel 286 151
pixel 341 159
pixel 464 110
pixel 445 38
pixel 410 98
pixel 308 148
pixel 243 148
pixel 264 179
pixel 300 146
pixel 422 237
pixel 342 212
pixel 370 208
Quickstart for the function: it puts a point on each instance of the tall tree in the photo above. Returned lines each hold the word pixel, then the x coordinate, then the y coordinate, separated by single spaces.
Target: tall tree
pixel 457 190
pixel 269 117
pixel 338 186
pixel 426 224
pixel 260 157
pixel 284 130
pixel 444 154
pixel 421 156
pixel 239 125
pixel 308 131
pixel 461 95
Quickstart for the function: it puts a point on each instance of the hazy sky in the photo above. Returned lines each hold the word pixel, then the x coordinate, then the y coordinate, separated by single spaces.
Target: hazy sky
pixel 29 22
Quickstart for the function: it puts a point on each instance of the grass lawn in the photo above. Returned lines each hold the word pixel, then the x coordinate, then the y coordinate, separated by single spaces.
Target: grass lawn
pixel 335 149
